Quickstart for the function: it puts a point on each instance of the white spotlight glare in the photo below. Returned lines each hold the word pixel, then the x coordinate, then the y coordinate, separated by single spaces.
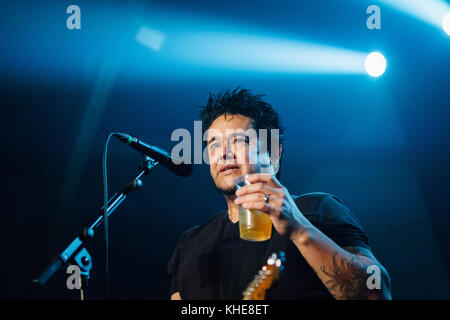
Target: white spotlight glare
pixel 446 23
pixel 375 64
pixel 151 38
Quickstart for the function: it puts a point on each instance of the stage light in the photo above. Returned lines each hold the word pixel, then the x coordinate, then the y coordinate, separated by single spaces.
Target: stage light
pixel 261 53
pixel 151 38
pixel 429 11
pixel 446 23
pixel 375 64
pixel 232 49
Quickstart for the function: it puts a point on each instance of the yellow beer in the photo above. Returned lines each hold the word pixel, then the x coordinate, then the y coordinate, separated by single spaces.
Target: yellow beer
pixel 254 225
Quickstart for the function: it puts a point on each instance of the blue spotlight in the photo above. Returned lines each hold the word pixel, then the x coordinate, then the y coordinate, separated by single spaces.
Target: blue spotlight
pixel 151 38
pixel 375 64
pixel 429 11
pixel 249 52
pixel 202 42
pixel 446 23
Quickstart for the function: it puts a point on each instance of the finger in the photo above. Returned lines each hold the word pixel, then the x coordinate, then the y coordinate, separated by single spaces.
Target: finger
pixel 252 197
pixel 256 187
pixel 273 206
pixel 275 202
pixel 259 205
pixel 263 177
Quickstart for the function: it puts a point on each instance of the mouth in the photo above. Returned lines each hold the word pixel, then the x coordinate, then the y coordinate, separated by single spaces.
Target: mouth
pixel 228 169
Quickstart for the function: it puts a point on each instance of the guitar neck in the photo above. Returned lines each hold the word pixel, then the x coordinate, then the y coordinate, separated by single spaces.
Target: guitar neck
pixel 265 277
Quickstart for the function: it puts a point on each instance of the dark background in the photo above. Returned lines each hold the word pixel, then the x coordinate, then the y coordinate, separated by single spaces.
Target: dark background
pixel 379 144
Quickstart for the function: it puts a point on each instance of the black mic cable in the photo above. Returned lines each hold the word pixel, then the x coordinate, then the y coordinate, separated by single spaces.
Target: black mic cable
pixel 105 215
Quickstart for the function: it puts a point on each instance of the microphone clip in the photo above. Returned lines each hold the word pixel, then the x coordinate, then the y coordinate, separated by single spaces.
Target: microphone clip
pixel 147 164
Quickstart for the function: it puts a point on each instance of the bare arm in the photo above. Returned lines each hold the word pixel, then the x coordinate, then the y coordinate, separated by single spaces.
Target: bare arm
pixel 342 270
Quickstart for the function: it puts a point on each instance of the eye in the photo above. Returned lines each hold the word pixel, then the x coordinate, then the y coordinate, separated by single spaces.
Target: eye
pixel 213 145
pixel 239 139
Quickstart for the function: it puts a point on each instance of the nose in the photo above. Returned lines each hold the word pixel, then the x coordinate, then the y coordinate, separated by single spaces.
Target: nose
pixel 227 152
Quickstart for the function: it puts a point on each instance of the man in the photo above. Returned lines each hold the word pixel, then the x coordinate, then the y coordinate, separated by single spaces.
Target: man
pixel 327 251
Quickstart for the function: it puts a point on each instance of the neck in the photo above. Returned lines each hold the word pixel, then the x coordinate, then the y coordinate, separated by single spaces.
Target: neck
pixel 233 210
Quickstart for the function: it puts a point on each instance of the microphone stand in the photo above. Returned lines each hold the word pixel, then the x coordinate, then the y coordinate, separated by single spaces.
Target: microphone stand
pixel 75 252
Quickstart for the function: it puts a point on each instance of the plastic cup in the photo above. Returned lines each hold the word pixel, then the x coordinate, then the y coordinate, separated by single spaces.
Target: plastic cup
pixel 254 225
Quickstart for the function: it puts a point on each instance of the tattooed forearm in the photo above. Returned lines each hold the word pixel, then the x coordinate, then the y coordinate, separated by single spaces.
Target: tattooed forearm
pixel 347 278
pixel 348 272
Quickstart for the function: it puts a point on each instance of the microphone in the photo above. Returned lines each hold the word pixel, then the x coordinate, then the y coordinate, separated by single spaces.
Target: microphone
pixel 178 167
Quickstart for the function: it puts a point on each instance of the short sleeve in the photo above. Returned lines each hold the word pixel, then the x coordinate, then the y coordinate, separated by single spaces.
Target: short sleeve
pixel 173 264
pixel 339 224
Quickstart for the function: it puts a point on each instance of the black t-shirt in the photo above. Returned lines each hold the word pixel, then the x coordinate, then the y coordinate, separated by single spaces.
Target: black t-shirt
pixel 210 261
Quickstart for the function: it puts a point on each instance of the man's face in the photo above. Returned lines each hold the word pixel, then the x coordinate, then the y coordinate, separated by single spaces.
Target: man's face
pixel 230 150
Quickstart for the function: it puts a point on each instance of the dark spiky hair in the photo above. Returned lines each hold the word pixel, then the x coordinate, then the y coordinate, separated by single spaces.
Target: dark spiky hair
pixel 243 102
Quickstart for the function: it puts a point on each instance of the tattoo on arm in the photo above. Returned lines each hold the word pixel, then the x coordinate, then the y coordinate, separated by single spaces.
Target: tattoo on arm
pixel 347 278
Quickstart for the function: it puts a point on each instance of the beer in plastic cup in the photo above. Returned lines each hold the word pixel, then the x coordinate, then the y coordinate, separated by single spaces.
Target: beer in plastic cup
pixel 254 225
